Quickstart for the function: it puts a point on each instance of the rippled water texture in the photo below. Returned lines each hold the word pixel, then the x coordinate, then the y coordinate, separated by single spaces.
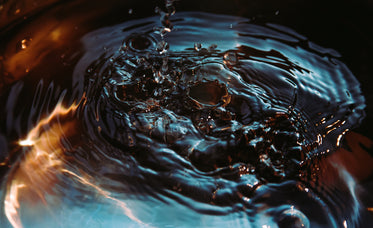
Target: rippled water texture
pixel 201 120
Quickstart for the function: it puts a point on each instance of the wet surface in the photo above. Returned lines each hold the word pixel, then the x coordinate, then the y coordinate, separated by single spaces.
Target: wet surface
pixel 225 124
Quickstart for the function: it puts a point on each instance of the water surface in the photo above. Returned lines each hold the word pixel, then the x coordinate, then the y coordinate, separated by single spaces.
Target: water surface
pixel 190 119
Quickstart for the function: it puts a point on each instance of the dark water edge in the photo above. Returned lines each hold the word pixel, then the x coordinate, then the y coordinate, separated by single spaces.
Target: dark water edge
pixel 336 25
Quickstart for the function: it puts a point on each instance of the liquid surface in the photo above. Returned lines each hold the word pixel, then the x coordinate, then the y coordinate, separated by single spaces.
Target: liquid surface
pixel 166 122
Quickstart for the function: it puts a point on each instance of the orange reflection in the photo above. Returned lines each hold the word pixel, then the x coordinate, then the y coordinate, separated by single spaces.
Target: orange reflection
pixel 37 175
pixel 52 35
pixel 350 164
pixel 352 158
pixel 357 161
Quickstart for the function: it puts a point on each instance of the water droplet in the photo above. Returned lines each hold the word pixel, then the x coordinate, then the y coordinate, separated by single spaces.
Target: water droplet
pixel 293 218
pixel 165 20
pixel 197 46
pixel 130 11
pixel 213 47
pixel 345 224
pixel 163 31
pixel 158 77
pixel 157 10
pixel 170 7
pixel 230 58
pixel 171 10
pixel 23 44
pixel 162 47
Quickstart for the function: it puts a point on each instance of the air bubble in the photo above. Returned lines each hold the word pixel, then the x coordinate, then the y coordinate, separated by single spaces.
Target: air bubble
pixel 138 42
pixel 293 218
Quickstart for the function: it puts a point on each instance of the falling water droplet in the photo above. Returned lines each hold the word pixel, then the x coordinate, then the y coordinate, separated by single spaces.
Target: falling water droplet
pixel 170 7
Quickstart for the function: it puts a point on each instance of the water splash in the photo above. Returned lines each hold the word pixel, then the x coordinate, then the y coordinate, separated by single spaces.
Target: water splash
pixel 166 124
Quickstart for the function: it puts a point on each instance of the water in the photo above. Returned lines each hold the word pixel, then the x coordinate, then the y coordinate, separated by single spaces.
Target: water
pixel 164 121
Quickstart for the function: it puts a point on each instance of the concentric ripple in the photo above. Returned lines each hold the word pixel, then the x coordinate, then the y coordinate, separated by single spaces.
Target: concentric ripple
pixel 216 119
pixel 213 124
pixel 261 97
